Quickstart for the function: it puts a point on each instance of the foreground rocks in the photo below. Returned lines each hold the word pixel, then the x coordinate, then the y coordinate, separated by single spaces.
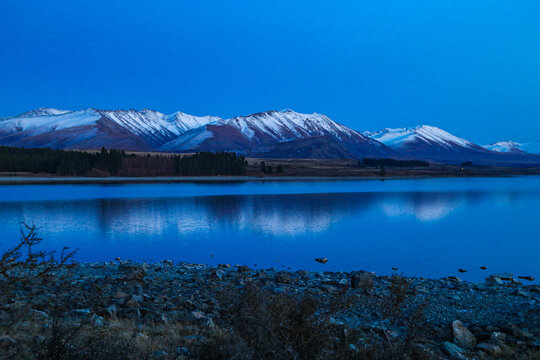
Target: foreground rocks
pixel 184 311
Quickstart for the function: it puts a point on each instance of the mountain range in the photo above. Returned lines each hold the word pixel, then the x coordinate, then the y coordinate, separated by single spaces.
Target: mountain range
pixel 271 134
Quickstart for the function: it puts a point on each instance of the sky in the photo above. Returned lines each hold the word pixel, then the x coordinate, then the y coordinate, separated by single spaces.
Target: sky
pixel 471 67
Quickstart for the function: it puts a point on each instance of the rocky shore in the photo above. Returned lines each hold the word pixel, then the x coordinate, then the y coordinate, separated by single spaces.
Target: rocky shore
pixel 167 310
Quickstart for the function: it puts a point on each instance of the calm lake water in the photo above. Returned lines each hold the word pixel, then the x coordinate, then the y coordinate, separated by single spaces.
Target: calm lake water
pixel 428 227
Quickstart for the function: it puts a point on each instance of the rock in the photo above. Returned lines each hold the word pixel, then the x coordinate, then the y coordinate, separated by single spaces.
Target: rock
pixel 6 342
pixel 503 276
pixel 498 337
pixel 198 314
pixel 427 351
pixel 132 271
pixel 462 336
pixel 321 260
pixel 110 311
pixel 283 277
pixel 494 280
pixel 490 349
pixel 329 288
pixel 97 320
pixel 158 354
pixel 80 313
pixel 39 315
pixel 363 281
pixel 167 262
pixel 521 293
pixel 243 269
pixel 454 351
pixel 217 274
pixel 528 278
pixel 337 283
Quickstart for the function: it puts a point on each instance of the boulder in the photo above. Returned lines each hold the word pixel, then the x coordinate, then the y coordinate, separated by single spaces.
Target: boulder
pixel 504 276
pixel 363 281
pixel 217 274
pixel 494 280
pixel 243 269
pixel 454 351
pixel 283 277
pixel 490 349
pixel 462 336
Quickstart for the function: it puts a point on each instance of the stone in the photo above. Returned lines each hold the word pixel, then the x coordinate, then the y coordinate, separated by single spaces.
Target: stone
pixel 454 351
pixel 6 341
pixel 283 277
pixel 516 282
pixel 521 293
pixel 158 354
pixel 462 336
pixel 39 315
pixel 363 281
pixel 494 280
pixel 198 314
pixel 504 276
pixel 133 271
pixel 490 349
pixel 243 269
pixel 217 274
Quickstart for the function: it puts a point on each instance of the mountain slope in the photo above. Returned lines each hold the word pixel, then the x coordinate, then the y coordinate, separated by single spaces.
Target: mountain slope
pixel 125 129
pixel 279 134
pixel 512 146
pixel 432 143
pixel 264 132
pixel 423 138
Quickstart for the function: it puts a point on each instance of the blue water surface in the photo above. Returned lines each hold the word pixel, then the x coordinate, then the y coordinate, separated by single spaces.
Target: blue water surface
pixel 427 227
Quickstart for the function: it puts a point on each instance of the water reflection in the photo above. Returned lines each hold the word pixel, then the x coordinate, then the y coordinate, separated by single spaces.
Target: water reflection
pixel 272 214
pixel 425 231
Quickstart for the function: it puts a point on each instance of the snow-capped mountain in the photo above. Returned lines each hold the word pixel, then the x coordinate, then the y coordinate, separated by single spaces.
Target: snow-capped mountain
pixel 512 146
pixel 504 146
pixel 279 134
pixel 263 133
pixel 91 128
pixel 432 143
pixel 422 137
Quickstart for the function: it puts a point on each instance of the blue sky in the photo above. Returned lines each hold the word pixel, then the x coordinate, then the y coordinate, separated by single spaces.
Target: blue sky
pixel 471 67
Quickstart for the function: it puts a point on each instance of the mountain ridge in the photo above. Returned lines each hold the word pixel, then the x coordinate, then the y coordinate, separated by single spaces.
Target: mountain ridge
pixel 272 133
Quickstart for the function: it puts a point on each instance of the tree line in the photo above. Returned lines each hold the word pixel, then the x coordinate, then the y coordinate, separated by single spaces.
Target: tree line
pixel 370 162
pixel 118 163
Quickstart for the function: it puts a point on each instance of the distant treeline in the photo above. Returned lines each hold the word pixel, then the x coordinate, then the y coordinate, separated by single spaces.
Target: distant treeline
pixel 118 163
pixel 367 162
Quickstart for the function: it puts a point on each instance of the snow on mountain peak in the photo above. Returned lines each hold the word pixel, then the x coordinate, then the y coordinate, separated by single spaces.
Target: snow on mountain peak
pixel 513 146
pixel 287 125
pixel 43 111
pixel 504 146
pixel 424 133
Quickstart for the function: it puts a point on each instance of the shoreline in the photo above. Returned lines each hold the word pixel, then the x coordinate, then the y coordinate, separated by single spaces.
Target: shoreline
pixel 226 304
pixel 55 180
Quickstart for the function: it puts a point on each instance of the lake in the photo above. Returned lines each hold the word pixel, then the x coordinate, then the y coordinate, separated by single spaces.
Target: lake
pixel 425 227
